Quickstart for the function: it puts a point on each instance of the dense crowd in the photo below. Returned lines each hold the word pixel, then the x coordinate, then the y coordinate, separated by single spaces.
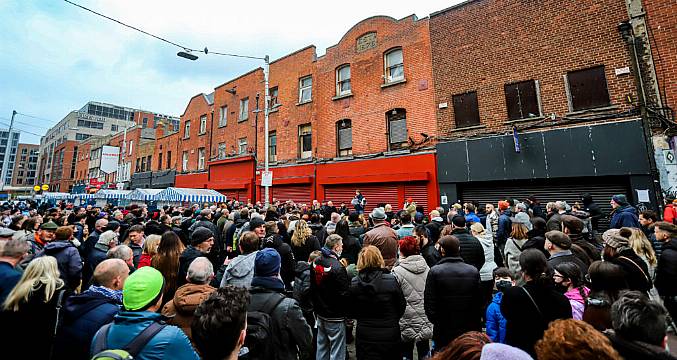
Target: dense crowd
pixel 512 280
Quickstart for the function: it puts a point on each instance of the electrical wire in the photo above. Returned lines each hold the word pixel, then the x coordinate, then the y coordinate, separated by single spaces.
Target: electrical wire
pixel 20 130
pixel 37 117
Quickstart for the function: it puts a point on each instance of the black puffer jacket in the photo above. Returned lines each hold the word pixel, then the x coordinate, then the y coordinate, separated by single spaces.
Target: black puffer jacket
pixel 453 299
pixel 471 248
pixel 329 286
pixel 666 273
pixel 377 303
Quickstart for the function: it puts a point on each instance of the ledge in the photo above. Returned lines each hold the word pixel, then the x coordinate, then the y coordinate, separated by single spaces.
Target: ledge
pixel 339 97
pixel 221 126
pixel 243 120
pixel 397 152
pixel 273 110
pixel 468 128
pixel 393 83
pixel 523 120
pixel 202 133
pixel 304 161
pixel 593 110
pixel 343 158
pixel 303 103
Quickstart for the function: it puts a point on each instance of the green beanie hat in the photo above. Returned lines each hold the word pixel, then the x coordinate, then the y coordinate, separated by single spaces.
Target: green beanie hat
pixel 141 287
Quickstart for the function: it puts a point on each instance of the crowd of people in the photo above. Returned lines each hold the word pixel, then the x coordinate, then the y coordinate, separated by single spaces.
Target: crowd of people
pixel 511 280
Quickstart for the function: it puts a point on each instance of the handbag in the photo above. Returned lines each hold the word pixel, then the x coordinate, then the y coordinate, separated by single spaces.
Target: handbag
pixel 57 322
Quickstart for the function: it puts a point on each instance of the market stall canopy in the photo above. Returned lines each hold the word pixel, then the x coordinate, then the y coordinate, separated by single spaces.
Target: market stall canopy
pixel 172 194
pixel 57 196
pixel 111 194
pixel 144 194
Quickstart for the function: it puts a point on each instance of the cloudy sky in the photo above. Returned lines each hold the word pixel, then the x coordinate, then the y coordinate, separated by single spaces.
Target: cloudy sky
pixel 54 57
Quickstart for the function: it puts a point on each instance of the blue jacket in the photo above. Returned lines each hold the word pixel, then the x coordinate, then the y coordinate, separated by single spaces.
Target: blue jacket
pixel 84 314
pixel 625 216
pixel 169 343
pixel 68 259
pixel 495 320
pixel 504 227
pixel 9 277
pixel 472 218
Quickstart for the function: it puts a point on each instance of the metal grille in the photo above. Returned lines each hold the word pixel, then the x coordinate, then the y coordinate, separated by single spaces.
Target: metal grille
pixel 375 194
pixel 419 193
pixel 398 127
pixel 299 194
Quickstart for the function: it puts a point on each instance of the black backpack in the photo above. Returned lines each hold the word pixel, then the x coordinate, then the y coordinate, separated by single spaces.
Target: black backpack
pixel 260 332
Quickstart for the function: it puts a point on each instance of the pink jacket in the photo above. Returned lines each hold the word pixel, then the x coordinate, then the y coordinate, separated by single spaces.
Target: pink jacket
pixel 577 302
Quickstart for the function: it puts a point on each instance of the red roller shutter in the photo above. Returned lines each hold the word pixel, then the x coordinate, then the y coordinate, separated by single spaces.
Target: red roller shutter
pixel 299 194
pixel 419 193
pixel 240 195
pixel 374 193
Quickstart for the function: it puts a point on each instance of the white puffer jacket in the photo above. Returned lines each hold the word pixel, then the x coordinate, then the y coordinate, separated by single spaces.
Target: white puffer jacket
pixel 411 274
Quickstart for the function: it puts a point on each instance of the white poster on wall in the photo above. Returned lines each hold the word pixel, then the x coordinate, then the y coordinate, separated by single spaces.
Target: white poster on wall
pixel 109 159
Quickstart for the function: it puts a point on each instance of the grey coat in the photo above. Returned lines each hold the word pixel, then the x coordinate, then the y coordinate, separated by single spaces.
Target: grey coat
pixel 240 271
pixel 411 274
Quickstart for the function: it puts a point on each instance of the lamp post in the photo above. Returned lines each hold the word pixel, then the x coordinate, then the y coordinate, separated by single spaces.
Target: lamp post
pixel 266 111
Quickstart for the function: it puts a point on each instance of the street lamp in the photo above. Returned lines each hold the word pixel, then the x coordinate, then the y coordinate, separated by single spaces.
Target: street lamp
pixel 187 54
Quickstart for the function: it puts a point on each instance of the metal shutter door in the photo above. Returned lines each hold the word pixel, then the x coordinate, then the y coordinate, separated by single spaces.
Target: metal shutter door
pixel 239 195
pixel 375 194
pixel 299 194
pixel 601 192
pixel 419 193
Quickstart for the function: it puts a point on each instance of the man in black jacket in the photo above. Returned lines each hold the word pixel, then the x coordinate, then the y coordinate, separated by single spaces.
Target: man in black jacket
pixel 329 293
pixel 274 240
pixel 558 245
pixel 201 242
pixel 206 222
pixel 292 336
pixel 471 249
pixel 453 299
pixel 666 272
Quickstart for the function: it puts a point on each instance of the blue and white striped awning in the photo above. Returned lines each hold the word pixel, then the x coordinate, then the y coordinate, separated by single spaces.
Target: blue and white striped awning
pixel 111 194
pixel 172 194
pixel 144 194
pixel 57 196
pixel 83 196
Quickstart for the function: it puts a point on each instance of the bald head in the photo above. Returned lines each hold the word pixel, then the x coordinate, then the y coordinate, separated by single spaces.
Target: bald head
pixel 111 273
pixel 101 224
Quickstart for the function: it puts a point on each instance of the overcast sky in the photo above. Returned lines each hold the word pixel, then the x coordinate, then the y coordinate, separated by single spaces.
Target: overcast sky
pixel 54 57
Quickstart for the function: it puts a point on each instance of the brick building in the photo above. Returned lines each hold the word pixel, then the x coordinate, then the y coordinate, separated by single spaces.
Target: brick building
pixel 63 167
pixel 361 116
pixel 25 166
pixel 536 98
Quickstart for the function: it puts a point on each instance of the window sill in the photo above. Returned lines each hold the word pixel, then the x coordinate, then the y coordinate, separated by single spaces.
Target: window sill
pixel 185 138
pixel 343 158
pixel 468 128
pixel 339 97
pixel 397 152
pixel 222 126
pixel 509 122
pixel 593 110
pixel 202 133
pixel 242 120
pixel 393 83
pixel 273 110
pixel 305 160
pixel 303 103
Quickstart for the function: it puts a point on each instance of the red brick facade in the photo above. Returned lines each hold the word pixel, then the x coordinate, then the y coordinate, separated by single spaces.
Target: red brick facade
pixel 483 45
pixel 662 23
pixel 194 140
pixel 63 171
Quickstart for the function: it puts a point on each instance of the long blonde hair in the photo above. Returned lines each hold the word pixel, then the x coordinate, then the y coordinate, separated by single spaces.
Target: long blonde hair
pixel 40 271
pixel 301 233
pixel 642 246
pixel 151 244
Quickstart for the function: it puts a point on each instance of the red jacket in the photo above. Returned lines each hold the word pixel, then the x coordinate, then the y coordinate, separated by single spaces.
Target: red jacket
pixel 670 213
pixel 144 260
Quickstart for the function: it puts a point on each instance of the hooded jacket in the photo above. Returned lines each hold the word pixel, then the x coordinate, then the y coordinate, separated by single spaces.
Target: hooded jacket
pixel 495 320
pixel 624 216
pixel 288 264
pixel 68 259
pixel 83 315
pixel 329 286
pixel 240 271
pixel 487 270
pixel 181 309
pixel 411 274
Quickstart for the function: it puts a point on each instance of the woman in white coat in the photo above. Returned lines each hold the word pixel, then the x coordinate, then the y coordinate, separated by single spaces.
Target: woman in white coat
pixel 487 270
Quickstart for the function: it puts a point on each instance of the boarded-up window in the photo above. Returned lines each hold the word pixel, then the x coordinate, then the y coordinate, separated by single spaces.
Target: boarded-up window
pixel 344 130
pixel 587 88
pixel 521 100
pixel 466 110
pixel 397 128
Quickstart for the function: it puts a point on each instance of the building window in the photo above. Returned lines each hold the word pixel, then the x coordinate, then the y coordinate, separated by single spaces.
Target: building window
pixel 184 163
pixel 397 129
pixel 201 158
pixel 587 89
pixel 343 80
pixel 305 141
pixel 223 116
pixel 131 146
pixel 81 137
pixel 244 109
pixel 138 165
pixel 305 89
pixel 272 146
pixel 144 123
pixel 159 161
pixel 273 97
pixel 114 128
pixel 149 162
pixel 394 65
pixel 242 145
pixel 466 110
pixel 522 100
pixel 186 130
pixel 203 124
pixel 344 133
pixel 222 150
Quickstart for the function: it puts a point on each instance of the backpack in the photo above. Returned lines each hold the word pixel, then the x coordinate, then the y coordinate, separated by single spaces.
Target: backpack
pixel 259 338
pixel 129 351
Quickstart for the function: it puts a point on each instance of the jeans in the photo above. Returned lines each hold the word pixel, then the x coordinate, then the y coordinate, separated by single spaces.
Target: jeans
pixel 422 347
pixel 331 340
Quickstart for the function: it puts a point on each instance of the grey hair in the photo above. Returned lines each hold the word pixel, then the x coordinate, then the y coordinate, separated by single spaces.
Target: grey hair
pixel 123 252
pixel 200 270
pixel 561 205
pixel 332 241
pixel 101 222
pixel 635 317
pixel 13 248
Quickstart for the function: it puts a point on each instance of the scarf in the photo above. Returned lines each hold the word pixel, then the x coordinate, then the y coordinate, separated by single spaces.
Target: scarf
pixel 113 294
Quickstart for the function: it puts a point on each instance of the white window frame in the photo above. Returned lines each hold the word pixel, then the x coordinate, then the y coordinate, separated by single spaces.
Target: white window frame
pixel 186 129
pixel 308 153
pixel 244 109
pixel 272 156
pixel 184 161
pixel 242 146
pixel 307 89
pixel 340 81
pixel 388 67
pixel 131 146
pixel 203 125
pixel 274 99
pixel 223 116
pixel 201 158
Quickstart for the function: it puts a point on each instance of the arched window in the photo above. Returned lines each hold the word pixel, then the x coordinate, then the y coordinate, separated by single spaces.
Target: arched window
pixel 344 137
pixel 397 129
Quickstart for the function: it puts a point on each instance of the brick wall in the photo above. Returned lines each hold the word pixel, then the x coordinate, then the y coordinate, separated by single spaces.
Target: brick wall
pixel 662 21
pixel 197 107
pixel 165 145
pixel 82 164
pixel 483 45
